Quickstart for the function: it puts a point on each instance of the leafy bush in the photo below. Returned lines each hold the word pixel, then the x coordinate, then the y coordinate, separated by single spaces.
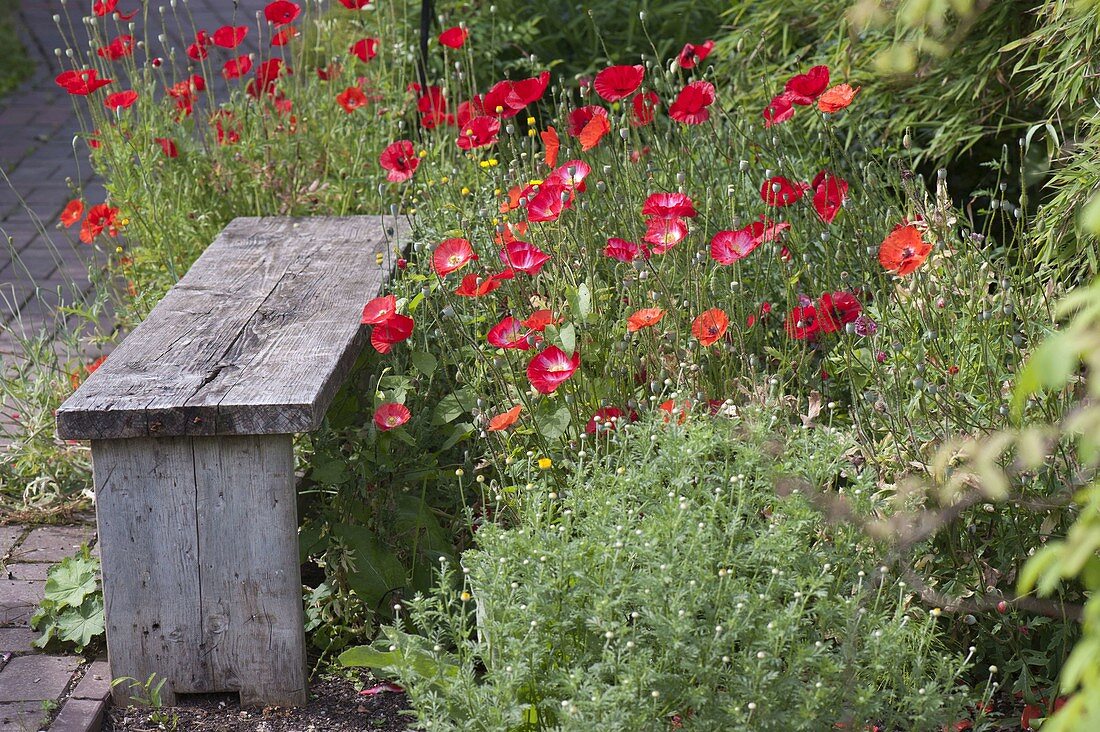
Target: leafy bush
pixel 72 611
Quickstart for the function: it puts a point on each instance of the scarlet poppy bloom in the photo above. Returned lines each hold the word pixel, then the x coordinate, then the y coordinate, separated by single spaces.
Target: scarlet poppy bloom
pixel 623 250
pixel 570 174
pixel 691 103
pixel 664 234
pixel 779 110
pixel 669 206
pixel 235 68
pixel 619 82
pixel 351 99
pixel 452 255
pixel 355 4
pixel 552 143
pixel 644 318
pixel 81 83
pixel 645 106
pixel 393 329
pixel 766 230
pixel 504 421
pixel 120 47
pixel 593 132
pixel 527 258
pixel 539 319
pixel 168 146
pixel 780 192
pixel 230 36
pixel 507 98
pixel 267 74
pixel 281 12
pixel 548 202
pixel 551 368
pixel 103 7
pixel 672 409
pixel 474 285
pixel 399 160
pixel 100 218
pixel 479 132
pixel 691 54
pixel 802 322
pixel 904 250
pixel 74 209
pixel 829 195
pixel 120 100
pixel 284 35
pixel 509 333
pixel 364 49
pixel 391 415
pixel 581 117
pixel 837 98
pixel 606 416
pixel 728 247
pixel 836 309
pixel 805 88
pixel 379 310
pixel 226 127
pixel 454 37
pixel 710 326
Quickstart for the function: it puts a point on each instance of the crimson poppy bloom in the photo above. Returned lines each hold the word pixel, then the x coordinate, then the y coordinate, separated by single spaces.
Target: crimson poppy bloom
pixel 836 309
pixel 669 206
pixel 120 47
pixel 100 219
pixel 539 319
pixel 691 103
pixel 593 132
pixel 504 421
pixel 103 7
pixel 691 54
pixel 452 255
pixel 507 98
pixel 664 234
pixel 606 416
pixel 780 192
pixel 391 415
pixel 580 118
pixel 267 74
pixel 235 68
pixel 802 322
pixel 829 195
pixel 379 310
pixel 644 318
pixel 281 12
pixel 284 35
pixel 393 329
pixel 644 108
pixel 355 4
pixel 364 49
pixel 623 250
pixel 837 98
pixel 779 110
pixel 229 36
pixel 226 127
pixel 351 99
pixel 619 82
pixel 728 247
pixel 672 409
pixel 803 89
pixel 766 230
pixel 527 258
pixel 454 37
pixel 551 368
pixel 904 250
pixel 509 333
pixel 710 326
pixel 399 160
pixel 548 203
pixel 120 100
pixel 74 209
pixel 81 83
pixel 167 145
pixel 474 285
pixel 479 132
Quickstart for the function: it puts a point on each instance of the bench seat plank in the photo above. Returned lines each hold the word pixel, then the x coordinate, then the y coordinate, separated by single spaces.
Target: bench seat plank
pixel 255 339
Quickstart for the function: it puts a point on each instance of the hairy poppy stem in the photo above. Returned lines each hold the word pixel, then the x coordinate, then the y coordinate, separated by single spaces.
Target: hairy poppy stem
pixel 426 10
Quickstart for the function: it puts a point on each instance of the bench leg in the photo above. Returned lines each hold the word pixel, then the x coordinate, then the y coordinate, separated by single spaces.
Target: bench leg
pixel 198 538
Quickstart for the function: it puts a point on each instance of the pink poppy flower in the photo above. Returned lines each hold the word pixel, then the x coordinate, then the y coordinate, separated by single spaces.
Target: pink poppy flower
pixel 391 415
pixel 527 258
pixel 551 368
pixel 728 247
pixel 509 333
pixel 452 255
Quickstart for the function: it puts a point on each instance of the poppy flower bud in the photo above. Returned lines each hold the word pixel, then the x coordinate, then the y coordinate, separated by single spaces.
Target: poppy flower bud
pixel 402 263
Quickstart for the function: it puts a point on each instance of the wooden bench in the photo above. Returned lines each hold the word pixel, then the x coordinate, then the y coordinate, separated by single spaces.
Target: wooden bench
pixel 191 421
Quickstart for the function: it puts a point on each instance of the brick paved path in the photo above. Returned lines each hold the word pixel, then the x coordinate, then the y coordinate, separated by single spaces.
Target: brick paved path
pixel 40 267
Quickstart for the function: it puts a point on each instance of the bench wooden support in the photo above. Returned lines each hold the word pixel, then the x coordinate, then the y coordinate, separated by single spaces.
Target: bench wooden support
pixel 191 421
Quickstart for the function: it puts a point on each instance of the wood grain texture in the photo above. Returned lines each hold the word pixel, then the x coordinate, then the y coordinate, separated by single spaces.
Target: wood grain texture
pixel 255 339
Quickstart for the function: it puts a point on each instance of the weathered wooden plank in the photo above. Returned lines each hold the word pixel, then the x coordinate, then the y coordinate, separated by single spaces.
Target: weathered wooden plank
pixel 255 339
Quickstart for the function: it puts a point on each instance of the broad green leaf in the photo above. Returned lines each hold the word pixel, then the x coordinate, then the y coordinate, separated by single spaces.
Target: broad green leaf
pixel 69 582
pixel 81 625
pixel 459 432
pixel 329 469
pixel 377 570
pixel 1049 367
pixel 454 405
pixel 567 336
pixel 424 362
pixel 553 425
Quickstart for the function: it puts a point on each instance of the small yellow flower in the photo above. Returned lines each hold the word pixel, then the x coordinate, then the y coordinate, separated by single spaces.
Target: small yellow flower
pixel 125 222
pixel 465 596
pixel 445 179
pixel 545 463
pixel 465 191
pixel 493 162
pixel 423 153
pixel 530 133
pixel 496 191
pixel 530 120
pixel 536 181
pixel 379 258
pixel 484 163
pixel 118 250
pixel 495 221
pixel 499 109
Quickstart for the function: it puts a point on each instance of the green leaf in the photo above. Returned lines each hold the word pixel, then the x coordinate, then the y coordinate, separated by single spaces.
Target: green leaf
pixel 459 432
pixel 1049 367
pixel 69 582
pixel 424 362
pixel 329 469
pixel 567 336
pixel 454 405
pixel 1038 566
pixel 377 570
pixel 581 301
pixel 80 626
pixel 553 425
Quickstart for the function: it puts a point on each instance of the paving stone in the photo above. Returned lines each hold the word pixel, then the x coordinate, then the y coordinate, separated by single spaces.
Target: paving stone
pixel 18 600
pixel 36 678
pixel 21 717
pixel 96 683
pixel 80 715
pixel 52 543
pixel 17 640
pixel 8 537
pixel 27 570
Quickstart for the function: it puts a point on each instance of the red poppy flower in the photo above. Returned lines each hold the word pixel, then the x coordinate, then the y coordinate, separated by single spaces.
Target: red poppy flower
pixel 904 250
pixel 364 49
pixel 837 98
pixel 229 36
pixel 120 100
pixel 623 250
pixel 664 234
pixel 507 98
pixel 81 83
pixel 527 258
pixel 672 409
pixel 235 68
pixel 509 333
pixel 669 206
pixel 548 202
pixel 691 103
pixel 351 99
pixel 551 368
pixel 552 143
pixel 802 322
pixel 267 74
pixel 644 318
pixel 391 415
pixel 805 88
pixel 168 146
pixel 779 110
pixel 284 35
pixel 393 329
pixel 580 118
pixel 454 37
pixel 120 47
pixel 691 55
pixel 780 192
pixel 479 132
pixel 399 160
pixel 539 319
pixel 281 12
pixel 452 255
pixel 379 310
pixel 570 174
pixel 74 209
pixel 100 218
pixel 728 247
pixel 593 132
pixel 829 194
pixel 710 326
pixel 836 309
pixel 226 127
pixel 766 230
pixel 607 416
pixel 103 7
pixel 619 82
pixel 645 106
pixel 475 285
pixel 355 4
pixel 507 419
